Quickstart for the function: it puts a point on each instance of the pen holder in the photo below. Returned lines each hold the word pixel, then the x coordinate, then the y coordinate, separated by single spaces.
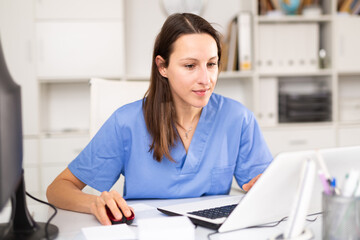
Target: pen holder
pixel 341 217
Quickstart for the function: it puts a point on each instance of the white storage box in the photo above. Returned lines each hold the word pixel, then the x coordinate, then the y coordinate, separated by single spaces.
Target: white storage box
pixel 288 47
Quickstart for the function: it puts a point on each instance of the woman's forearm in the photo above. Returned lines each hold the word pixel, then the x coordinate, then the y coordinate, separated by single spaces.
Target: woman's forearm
pixel 66 192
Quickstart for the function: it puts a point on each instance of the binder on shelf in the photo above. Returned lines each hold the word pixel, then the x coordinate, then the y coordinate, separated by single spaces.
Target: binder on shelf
pixel 339 4
pixel 262 7
pixel 267 54
pixel 276 5
pixel 224 55
pixel 345 6
pixel 268 102
pixel 353 3
pixel 356 8
pixel 245 41
pixel 267 6
pixel 232 45
pixel 288 47
pixel 224 51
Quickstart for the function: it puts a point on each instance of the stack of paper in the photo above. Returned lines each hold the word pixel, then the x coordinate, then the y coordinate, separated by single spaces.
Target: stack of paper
pixel 174 228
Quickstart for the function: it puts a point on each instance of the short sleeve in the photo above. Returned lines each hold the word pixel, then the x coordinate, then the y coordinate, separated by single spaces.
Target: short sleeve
pixel 254 154
pixel 100 164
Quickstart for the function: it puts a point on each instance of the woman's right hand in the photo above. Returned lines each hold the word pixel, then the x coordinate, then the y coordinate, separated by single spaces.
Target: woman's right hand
pixel 114 201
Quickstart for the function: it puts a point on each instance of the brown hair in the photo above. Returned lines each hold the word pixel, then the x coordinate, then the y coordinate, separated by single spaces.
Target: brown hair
pixel 159 111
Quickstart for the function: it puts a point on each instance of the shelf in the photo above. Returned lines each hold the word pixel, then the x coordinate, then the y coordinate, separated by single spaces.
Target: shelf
pixel 50 80
pixel 349 123
pixel 346 15
pixel 294 19
pixel 307 125
pixel 138 77
pixel 72 79
pixel 67 134
pixel 349 73
pixel 320 72
pixel 236 74
pixel 79 10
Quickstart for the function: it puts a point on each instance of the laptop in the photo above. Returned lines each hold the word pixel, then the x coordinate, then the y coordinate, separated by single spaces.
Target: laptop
pixel 271 198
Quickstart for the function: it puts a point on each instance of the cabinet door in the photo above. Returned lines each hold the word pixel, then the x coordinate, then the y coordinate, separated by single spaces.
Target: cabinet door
pixel 79 9
pixel 65 107
pixel 56 153
pixel 61 149
pixel 347 43
pixel 17 40
pixel 299 139
pixel 80 49
pixel 30 151
pixel 349 136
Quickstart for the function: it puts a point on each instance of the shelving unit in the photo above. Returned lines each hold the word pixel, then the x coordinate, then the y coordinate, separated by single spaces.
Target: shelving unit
pixel 65 43
pixel 296 18
pixel 295 78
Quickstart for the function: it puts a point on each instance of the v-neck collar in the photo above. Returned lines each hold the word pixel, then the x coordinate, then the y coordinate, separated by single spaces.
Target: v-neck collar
pixel 190 162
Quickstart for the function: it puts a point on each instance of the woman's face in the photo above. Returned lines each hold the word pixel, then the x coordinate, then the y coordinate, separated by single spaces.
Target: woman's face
pixel 193 69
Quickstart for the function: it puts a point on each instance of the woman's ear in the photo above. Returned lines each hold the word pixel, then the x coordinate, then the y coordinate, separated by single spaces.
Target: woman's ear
pixel 160 63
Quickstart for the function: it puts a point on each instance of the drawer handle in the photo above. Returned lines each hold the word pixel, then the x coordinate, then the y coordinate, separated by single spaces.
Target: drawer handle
pixel 298 142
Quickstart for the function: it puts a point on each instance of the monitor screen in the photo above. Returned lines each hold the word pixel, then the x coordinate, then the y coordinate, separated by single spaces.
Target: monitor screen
pixel 10 134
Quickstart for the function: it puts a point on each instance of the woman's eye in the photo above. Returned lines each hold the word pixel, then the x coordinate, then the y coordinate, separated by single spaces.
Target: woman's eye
pixel 190 66
pixel 212 64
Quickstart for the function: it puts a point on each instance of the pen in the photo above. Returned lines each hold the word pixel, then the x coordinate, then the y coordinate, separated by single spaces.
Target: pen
pixel 324 182
pixel 334 188
pixel 323 166
pixel 350 184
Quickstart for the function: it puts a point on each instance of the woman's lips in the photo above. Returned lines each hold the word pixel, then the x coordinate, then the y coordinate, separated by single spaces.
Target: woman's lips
pixel 201 92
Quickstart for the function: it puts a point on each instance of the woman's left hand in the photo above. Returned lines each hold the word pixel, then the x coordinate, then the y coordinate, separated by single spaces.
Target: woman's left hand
pixel 247 186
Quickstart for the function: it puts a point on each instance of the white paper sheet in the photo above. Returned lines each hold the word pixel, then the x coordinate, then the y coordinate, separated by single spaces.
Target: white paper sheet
pixel 113 232
pixel 142 207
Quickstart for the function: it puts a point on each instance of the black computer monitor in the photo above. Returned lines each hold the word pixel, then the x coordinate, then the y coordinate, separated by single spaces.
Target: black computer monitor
pixel 12 187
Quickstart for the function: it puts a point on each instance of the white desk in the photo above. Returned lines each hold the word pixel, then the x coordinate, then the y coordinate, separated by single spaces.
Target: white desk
pixel 70 223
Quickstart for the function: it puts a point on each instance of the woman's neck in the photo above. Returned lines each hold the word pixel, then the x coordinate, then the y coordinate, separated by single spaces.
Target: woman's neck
pixel 186 123
pixel 186 117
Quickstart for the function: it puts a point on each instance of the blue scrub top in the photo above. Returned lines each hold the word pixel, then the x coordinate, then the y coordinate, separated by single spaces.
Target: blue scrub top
pixel 227 142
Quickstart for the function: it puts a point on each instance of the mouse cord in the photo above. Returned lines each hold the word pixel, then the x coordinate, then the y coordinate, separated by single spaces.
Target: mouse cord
pixel 52 216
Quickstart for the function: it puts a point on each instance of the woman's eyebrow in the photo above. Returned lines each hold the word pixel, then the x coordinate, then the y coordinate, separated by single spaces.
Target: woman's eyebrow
pixel 188 58
pixel 195 59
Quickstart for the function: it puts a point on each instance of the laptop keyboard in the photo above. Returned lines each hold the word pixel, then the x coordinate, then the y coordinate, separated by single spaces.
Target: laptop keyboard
pixel 214 213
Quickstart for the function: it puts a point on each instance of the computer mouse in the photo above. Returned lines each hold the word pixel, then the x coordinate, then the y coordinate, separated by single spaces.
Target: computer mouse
pixel 127 220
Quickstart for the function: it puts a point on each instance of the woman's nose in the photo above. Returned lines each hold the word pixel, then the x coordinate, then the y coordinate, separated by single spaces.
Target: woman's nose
pixel 204 77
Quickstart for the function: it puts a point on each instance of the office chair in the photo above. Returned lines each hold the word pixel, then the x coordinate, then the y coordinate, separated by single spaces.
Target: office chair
pixel 105 97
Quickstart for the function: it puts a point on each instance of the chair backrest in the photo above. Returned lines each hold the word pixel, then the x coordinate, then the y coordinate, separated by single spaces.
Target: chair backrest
pixel 105 97
pixel 108 95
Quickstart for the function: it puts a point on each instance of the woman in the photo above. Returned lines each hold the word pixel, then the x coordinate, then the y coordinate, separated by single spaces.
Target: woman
pixel 180 141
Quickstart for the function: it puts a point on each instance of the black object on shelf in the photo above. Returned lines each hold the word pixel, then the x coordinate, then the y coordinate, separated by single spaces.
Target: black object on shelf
pixel 314 107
